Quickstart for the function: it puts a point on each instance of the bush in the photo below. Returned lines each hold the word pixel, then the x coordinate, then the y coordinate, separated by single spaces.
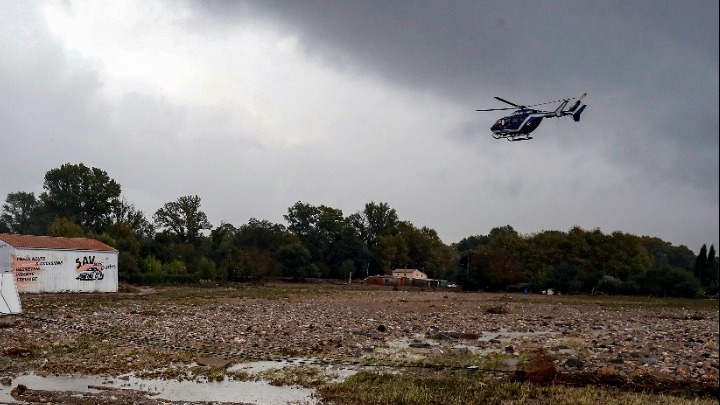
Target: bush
pixel 609 285
pixel 206 269
pixel 630 287
pixel 563 277
pixel 666 281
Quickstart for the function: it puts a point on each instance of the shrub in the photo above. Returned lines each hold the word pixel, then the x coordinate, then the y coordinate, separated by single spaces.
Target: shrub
pixel 666 281
pixel 609 285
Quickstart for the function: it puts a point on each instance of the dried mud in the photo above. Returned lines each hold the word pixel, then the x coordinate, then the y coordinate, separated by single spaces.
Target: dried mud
pixel 196 333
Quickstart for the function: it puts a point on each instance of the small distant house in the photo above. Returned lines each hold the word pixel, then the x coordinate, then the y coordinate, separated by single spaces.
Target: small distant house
pixel 51 264
pixel 412 274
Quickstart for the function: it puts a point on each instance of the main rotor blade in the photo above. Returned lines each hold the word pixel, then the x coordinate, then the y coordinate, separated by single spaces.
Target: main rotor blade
pixel 560 100
pixel 497 109
pixel 507 102
pixel 550 102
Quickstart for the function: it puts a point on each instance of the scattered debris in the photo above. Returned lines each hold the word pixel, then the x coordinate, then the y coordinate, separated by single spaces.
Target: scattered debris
pixel 16 351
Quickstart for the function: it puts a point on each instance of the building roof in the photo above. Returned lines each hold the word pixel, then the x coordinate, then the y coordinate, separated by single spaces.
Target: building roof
pixel 51 242
pixel 404 270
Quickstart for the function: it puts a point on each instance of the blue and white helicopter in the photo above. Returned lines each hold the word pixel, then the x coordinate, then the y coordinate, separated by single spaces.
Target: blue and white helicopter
pixel 524 120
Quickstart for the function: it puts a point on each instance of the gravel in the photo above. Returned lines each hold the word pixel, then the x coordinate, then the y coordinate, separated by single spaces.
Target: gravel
pixel 155 334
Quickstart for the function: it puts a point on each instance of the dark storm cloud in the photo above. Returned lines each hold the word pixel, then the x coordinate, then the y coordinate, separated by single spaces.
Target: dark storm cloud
pixel 452 45
pixel 382 110
pixel 657 62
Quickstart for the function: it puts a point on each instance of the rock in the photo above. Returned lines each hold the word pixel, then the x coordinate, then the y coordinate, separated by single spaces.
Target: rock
pixel 19 390
pixel 419 345
pixel 573 363
pixel 16 352
pixel 538 370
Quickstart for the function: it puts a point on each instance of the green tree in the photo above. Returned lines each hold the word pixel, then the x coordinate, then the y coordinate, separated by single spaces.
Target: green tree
pixel 662 253
pixel 223 249
pixel 85 195
pixel 701 262
pixel 712 274
pixel 711 257
pixel 125 213
pixel 424 250
pixel 65 228
pixel 183 218
pixel 347 269
pixel 327 235
pixel 315 226
pixel 561 278
pixel 252 263
pixel 21 214
pixel 465 248
pixel 128 267
pixel 666 281
pixel 262 234
pixel 500 263
pixel 377 220
pixel 706 269
pixel 392 250
pixel 296 261
pixel 547 248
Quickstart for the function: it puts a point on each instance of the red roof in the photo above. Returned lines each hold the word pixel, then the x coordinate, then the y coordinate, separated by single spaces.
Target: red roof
pixel 51 242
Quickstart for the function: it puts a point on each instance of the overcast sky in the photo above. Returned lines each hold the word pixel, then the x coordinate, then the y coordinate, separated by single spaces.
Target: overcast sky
pixel 254 106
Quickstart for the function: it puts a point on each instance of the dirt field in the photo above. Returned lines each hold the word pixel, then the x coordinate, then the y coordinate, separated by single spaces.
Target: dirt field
pixel 202 334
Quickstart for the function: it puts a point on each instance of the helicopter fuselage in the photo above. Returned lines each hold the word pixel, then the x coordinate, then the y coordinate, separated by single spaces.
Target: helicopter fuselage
pixel 518 125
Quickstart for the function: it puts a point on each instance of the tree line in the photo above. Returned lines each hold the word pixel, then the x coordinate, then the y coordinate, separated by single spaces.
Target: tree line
pixel 179 245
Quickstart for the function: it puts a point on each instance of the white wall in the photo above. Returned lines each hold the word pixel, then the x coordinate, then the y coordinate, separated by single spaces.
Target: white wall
pixel 47 270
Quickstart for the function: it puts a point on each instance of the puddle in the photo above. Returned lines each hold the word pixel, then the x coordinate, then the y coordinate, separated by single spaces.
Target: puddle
pixel 252 392
pixel 256 367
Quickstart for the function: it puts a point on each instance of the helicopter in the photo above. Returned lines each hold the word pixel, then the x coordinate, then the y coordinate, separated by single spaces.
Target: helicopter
pixel 518 125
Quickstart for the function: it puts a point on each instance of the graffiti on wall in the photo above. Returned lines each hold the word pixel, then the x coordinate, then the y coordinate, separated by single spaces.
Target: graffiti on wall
pixel 88 269
pixel 28 269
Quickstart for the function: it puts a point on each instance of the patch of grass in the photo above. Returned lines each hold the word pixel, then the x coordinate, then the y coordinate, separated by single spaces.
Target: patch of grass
pixel 468 388
pixel 572 342
pixel 304 376
pixel 620 301
pixel 240 375
pixel 492 361
pixel 496 309
pixel 127 288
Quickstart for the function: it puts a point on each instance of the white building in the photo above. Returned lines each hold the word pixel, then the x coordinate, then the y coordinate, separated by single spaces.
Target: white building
pixel 50 264
pixel 412 274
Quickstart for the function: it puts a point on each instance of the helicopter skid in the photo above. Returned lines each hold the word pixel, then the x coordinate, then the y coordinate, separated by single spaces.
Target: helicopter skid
pixel 512 137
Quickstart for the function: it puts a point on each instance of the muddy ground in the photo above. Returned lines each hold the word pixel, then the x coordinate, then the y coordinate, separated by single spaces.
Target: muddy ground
pixel 197 333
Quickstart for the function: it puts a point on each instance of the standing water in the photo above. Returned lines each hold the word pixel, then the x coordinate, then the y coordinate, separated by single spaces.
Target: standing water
pixel 252 392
